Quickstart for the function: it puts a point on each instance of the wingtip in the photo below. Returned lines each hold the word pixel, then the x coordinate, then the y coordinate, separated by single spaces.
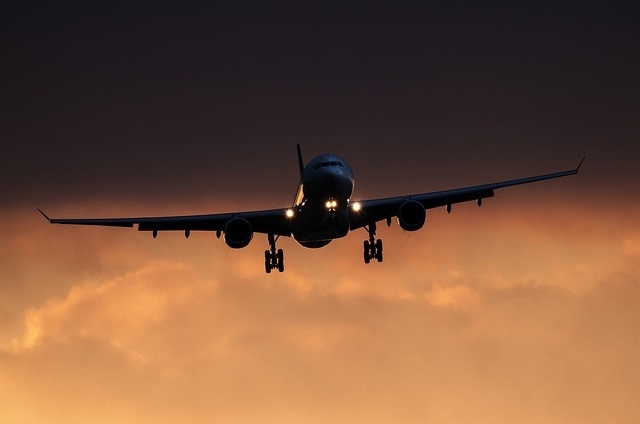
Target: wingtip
pixel 45 215
pixel 580 164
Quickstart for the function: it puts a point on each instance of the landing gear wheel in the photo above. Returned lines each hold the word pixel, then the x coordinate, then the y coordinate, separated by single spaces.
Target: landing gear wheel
pixel 273 259
pixel 372 247
pixel 367 256
pixel 267 261
pixel 280 260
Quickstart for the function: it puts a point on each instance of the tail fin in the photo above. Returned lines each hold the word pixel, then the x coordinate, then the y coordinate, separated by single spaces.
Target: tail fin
pixel 300 162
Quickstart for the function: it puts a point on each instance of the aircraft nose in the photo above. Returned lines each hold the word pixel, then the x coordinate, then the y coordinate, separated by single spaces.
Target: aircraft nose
pixel 337 183
pixel 330 185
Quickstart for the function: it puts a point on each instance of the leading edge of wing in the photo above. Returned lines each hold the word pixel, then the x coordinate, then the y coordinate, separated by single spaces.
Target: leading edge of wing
pixel 379 209
pixel 273 221
pixel 107 222
pixel 533 179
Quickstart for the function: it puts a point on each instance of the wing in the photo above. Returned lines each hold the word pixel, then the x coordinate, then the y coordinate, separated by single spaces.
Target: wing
pixel 375 210
pixel 272 221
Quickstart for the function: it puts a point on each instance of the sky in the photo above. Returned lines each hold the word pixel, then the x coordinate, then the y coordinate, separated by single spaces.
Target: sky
pixel 522 310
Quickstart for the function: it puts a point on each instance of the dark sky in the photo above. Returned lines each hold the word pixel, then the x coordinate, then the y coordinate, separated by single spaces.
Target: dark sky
pixel 158 100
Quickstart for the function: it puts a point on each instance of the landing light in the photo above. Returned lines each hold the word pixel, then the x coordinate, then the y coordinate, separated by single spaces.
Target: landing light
pixel 331 204
pixel 289 213
pixel 356 206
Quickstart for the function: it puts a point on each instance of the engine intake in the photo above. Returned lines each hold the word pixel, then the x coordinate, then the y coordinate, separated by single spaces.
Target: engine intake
pixel 238 233
pixel 411 215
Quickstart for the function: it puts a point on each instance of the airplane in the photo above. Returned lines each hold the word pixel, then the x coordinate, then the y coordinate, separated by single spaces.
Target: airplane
pixel 323 210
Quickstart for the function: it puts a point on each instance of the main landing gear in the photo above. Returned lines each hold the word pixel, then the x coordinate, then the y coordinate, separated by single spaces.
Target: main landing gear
pixel 372 247
pixel 273 259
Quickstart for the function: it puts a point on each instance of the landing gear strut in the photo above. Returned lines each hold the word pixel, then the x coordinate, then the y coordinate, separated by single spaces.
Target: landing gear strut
pixel 273 259
pixel 372 247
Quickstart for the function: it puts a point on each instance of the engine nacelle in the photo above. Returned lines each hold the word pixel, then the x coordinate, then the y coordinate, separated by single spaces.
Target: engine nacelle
pixel 411 215
pixel 237 233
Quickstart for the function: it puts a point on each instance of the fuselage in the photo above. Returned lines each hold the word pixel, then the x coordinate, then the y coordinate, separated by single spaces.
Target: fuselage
pixel 322 201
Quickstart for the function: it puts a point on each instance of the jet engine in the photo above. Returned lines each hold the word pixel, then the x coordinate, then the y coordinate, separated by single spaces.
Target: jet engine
pixel 411 215
pixel 237 233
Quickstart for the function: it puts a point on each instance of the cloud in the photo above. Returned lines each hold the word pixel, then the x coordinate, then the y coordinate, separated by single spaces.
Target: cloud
pixel 117 311
pixel 632 245
pixel 453 326
pixel 164 342
pixel 456 295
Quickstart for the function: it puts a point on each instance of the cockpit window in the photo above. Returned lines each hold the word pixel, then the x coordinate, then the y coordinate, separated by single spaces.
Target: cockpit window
pixel 331 163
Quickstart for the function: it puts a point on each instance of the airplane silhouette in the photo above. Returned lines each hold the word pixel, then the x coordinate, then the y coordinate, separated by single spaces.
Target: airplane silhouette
pixel 322 211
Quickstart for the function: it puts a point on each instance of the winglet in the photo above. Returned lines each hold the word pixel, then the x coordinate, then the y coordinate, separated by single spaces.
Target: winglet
pixel 300 162
pixel 580 164
pixel 45 216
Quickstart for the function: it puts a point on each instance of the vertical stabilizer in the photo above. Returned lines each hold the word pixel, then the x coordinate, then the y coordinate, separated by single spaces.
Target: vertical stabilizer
pixel 300 162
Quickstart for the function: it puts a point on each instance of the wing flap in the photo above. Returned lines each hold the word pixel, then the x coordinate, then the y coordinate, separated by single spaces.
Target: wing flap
pixel 214 222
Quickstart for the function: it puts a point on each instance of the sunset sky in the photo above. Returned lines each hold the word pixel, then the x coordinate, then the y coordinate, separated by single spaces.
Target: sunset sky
pixel 524 310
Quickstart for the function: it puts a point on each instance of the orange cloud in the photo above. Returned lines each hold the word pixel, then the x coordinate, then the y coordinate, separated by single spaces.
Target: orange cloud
pixel 486 315
pixel 117 311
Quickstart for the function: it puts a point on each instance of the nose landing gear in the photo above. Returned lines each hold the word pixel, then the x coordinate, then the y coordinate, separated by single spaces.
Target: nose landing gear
pixel 273 259
pixel 372 247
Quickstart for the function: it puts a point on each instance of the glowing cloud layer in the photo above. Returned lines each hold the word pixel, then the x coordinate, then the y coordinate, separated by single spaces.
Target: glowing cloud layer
pixel 457 331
